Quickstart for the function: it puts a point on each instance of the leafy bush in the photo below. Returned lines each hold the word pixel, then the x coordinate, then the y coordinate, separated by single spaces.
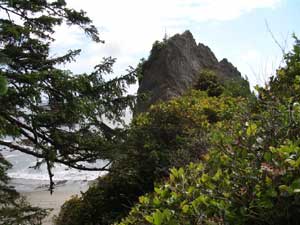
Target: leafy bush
pixel 244 179
pixel 286 85
pixel 170 134
pixel 209 82
pixel 235 161
pixel 69 212
pixel 250 174
pixel 156 49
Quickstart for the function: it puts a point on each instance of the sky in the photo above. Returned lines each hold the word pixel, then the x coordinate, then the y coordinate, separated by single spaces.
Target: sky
pixel 243 31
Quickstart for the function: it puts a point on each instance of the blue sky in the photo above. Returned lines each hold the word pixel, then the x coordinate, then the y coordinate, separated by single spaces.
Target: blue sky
pixel 233 29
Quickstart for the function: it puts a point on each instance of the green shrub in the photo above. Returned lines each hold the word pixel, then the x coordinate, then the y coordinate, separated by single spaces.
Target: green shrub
pixel 170 134
pixel 209 82
pixel 250 174
pixel 69 212
pixel 235 87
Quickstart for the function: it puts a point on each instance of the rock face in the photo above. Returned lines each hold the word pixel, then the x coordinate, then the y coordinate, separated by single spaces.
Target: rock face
pixel 173 67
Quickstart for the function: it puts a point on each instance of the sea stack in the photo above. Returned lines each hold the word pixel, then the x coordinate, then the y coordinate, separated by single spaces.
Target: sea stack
pixel 173 67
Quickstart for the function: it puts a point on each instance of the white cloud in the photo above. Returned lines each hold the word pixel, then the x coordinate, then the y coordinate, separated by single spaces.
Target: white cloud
pixel 130 27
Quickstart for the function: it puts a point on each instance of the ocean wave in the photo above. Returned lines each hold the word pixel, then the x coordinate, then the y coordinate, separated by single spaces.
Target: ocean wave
pixel 22 169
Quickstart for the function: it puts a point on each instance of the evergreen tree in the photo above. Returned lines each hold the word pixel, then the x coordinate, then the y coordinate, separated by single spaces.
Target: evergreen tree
pixel 14 210
pixel 53 114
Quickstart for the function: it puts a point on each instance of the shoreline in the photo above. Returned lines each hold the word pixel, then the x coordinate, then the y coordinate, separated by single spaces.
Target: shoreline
pixel 37 194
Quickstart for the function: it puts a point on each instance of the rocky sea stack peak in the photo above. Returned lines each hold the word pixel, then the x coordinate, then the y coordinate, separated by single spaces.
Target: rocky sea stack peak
pixel 173 67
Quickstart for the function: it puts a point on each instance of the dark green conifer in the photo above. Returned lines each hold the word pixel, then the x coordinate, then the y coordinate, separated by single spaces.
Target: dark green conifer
pixel 50 113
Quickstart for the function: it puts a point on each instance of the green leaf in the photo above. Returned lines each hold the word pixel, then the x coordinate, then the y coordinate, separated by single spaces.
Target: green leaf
pixel 185 208
pixel 268 156
pixel 251 130
pixel 268 180
pixel 144 200
pixel 285 188
pixel 204 177
pixel 266 203
pixel 218 175
pixel 181 172
pixel 156 201
pixel 149 219
pixel 175 172
pixel 295 184
pixel 158 217
pixel 271 193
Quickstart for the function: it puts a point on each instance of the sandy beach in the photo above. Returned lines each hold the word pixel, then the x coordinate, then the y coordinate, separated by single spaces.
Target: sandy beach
pixel 41 197
pixel 34 183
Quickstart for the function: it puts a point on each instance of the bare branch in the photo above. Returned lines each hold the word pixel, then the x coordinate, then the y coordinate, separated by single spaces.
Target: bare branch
pixel 282 48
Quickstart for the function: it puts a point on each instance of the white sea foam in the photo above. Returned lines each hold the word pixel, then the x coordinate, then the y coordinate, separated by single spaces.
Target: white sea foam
pixel 22 163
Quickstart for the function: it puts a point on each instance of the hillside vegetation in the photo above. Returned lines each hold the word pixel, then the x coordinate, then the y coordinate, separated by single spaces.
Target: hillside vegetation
pixel 206 160
pixel 208 152
pixel 250 174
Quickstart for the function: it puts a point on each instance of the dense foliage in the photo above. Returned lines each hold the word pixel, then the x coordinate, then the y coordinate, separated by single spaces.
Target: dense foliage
pixel 208 157
pixel 46 112
pixel 208 81
pixel 250 174
pixel 170 134
pixel 14 210
pixel 52 114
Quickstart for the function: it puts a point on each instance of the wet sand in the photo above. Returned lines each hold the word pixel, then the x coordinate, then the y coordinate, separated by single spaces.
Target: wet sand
pixel 44 200
pixel 41 197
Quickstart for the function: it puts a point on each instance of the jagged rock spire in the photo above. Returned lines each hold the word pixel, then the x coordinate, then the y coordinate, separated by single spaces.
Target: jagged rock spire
pixel 174 66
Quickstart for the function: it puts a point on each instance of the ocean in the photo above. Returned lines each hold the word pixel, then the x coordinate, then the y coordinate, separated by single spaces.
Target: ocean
pixel 25 178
